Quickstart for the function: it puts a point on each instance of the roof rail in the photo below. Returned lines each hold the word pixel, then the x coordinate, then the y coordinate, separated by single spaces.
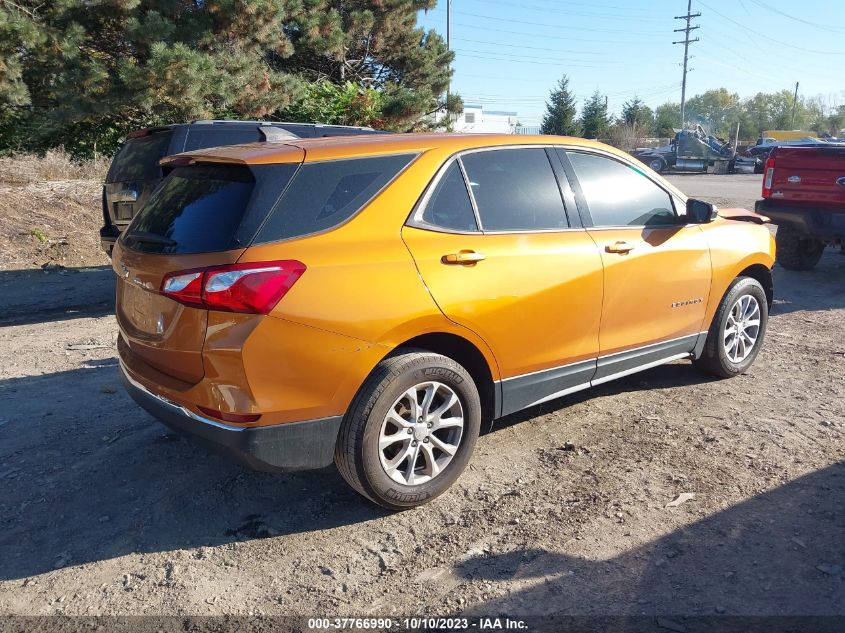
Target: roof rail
pixel 213 121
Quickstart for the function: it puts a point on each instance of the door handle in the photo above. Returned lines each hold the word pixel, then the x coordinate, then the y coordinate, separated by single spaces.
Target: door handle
pixel 619 247
pixel 463 258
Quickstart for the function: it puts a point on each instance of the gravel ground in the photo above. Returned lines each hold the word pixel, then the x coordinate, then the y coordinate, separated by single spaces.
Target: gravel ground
pixel 565 508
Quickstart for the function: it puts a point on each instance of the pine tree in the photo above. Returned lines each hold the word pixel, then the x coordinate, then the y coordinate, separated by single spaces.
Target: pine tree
pixel 106 67
pixel 636 113
pixel 594 119
pixel 560 111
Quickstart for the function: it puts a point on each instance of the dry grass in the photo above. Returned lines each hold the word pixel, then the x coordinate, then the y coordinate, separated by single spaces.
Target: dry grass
pixel 56 164
pixel 50 211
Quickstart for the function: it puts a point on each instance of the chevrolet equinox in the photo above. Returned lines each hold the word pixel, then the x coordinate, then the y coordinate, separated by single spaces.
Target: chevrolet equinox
pixel 373 300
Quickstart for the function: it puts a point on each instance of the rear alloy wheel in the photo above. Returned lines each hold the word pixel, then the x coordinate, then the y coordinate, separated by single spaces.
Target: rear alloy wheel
pixel 737 331
pixel 421 433
pixel 411 429
pixel 796 251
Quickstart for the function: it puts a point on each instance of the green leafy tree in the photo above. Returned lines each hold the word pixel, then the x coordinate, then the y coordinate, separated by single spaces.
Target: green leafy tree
pixel 834 123
pixel 560 111
pixel 716 110
pixel 636 113
pixel 92 71
pixel 338 104
pixel 667 118
pixel 773 111
pixel 594 117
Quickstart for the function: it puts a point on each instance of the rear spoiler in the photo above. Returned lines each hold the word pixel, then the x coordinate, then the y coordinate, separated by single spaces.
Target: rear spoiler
pixel 274 134
pixel 146 131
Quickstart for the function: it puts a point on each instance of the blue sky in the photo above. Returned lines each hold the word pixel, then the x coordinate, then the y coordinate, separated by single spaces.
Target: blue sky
pixel 509 54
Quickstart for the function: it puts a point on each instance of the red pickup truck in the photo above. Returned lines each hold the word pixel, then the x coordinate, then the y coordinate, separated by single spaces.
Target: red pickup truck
pixel 804 194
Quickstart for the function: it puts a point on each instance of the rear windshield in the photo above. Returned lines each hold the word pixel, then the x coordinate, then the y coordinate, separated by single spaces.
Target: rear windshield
pixel 326 194
pixel 209 208
pixel 206 208
pixel 138 158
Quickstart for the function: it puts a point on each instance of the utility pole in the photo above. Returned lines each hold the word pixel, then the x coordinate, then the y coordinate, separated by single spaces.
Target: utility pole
pixel 794 104
pixel 686 42
pixel 449 48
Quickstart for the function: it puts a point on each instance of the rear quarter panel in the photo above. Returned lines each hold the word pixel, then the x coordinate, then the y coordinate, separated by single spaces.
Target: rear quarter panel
pixel 361 283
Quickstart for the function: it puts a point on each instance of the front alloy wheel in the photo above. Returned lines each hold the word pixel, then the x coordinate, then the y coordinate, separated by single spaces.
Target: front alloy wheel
pixel 737 331
pixel 742 328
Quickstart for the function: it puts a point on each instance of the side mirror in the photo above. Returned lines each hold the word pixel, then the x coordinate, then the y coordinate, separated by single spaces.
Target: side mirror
pixel 700 212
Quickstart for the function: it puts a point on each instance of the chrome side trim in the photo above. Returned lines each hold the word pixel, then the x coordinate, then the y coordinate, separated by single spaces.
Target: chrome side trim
pixel 542 371
pixel 415 220
pixel 644 347
pixel 634 370
pixel 598 358
pixel 176 407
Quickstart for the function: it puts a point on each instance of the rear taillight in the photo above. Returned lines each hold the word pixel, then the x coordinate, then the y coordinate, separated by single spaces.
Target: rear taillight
pixel 230 417
pixel 251 287
pixel 769 177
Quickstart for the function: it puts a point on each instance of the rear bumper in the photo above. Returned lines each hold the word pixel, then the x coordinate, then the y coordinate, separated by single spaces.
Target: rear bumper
pixel 281 447
pixel 822 224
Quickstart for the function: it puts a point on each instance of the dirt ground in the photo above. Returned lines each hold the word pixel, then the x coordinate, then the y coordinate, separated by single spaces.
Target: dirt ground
pixel 50 211
pixel 563 510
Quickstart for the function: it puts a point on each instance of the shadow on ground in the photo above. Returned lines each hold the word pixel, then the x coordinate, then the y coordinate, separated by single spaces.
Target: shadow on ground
pixel 781 553
pixel 86 475
pixel 822 288
pixel 41 296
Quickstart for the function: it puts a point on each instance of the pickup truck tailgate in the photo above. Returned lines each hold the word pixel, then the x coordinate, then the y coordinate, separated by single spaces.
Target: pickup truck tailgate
pixel 813 175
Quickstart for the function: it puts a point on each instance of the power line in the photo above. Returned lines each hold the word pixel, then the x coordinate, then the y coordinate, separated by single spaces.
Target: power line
pixel 767 37
pixel 686 42
pixel 546 36
pixel 530 60
pixel 556 26
pixel 569 12
pixel 532 48
pixel 815 25
pixel 516 57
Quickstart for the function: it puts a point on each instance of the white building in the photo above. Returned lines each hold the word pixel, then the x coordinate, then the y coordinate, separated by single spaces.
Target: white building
pixel 475 119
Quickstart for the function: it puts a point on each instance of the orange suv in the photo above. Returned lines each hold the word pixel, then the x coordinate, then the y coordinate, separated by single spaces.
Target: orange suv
pixel 374 300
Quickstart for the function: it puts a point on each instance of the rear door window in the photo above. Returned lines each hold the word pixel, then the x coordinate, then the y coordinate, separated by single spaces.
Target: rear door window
pixel 202 208
pixel 449 206
pixel 515 190
pixel 138 158
pixel 326 194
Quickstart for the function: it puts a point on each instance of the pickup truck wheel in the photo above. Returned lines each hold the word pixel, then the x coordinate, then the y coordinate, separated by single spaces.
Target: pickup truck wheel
pixel 410 431
pixel 737 331
pixel 796 251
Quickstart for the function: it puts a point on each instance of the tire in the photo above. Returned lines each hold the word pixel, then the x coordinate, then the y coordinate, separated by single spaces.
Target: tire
pixel 656 164
pixel 365 465
pixel 716 358
pixel 795 251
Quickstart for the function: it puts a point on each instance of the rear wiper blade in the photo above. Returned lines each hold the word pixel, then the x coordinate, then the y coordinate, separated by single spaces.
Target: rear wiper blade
pixel 151 238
